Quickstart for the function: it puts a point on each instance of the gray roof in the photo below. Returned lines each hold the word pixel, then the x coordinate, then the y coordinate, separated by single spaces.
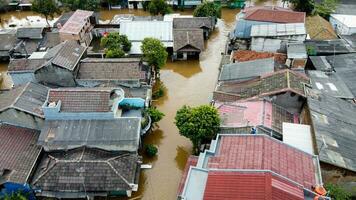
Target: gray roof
pixel 246 70
pixel 351 39
pixel 328 47
pixel 297 50
pixel 188 38
pixel 329 83
pixel 69 55
pixel 29 33
pixel 334 123
pixel 120 134
pixel 63 18
pixel 19 153
pixel 50 40
pixel 193 22
pixel 81 172
pixel 24 64
pixel 275 30
pixel 7 41
pixel 28 98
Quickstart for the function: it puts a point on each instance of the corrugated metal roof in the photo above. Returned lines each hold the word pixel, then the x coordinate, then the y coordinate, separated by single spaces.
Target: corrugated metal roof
pixel 246 70
pixel 297 50
pixel 161 30
pixel 270 30
pixel 298 136
pixel 121 134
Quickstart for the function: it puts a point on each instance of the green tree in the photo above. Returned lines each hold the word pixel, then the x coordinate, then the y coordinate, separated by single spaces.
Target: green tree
pixel 92 5
pixel 207 9
pixel 337 193
pixel 155 114
pixel 302 5
pixel 19 195
pixel 116 45
pixel 325 8
pixel 154 52
pixel 47 8
pixel 151 150
pixel 198 124
pixel 157 7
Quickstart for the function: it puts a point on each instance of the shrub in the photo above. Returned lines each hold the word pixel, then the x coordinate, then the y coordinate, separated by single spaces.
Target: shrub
pixel 151 150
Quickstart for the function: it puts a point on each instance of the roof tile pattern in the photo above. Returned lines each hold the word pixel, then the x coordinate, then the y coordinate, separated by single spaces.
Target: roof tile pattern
pixel 274 14
pixel 69 55
pixel 25 64
pixel 76 22
pixel 18 152
pixel 194 22
pixel 188 38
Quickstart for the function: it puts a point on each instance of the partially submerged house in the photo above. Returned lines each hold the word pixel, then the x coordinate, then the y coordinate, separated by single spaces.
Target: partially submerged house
pixel 62 68
pixel 161 30
pixel 187 43
pixel 18 158
pixel 343 24
pixel 264 116
pixel 121 134
pixel 258 15
pixel 284 88
pixel 7 42
pixel 205 23
pixel 22 106
pixel 78 27
pixel 262 168
pixel 130 72
pixel 333 124
pixel 275 37
pixel 242 71
pixel 87 173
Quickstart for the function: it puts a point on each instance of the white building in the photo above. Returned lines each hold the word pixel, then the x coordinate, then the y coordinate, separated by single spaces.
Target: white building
pixel 343 24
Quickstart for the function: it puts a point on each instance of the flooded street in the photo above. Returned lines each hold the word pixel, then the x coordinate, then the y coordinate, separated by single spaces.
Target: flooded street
pixel 187 83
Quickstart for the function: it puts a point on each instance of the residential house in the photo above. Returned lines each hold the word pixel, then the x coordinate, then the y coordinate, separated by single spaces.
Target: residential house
pixel 247 55
pixel 319 28
pixel 264 116
pixel 78 27
pixel 161 30
pixel 187 43
pixel 343 24
pixel 62 19
pixel 86 173
pixel 262 168
pixel 284 88
pixel 18 158
pixel 7 42
pixel 23 70
pixel 242 71
pixel 50 40
pixel 343 65
pixel 258 15
pixel 205 23
pixel 62 68
pixel 329 83
pixel 297 55
pixel 186 3
pixel 275 37
pixel 333 123
pixel 22 106
pixel 120 134
pixel 328 47
pixel 28 41
pixel 129 72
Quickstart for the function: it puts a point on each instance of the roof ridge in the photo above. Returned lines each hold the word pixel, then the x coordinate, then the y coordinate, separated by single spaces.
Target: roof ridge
pixel 118 174
pixel 47 170
pixel 19 95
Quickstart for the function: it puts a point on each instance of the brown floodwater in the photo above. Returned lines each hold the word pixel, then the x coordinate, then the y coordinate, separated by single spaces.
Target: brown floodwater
pixel 187 83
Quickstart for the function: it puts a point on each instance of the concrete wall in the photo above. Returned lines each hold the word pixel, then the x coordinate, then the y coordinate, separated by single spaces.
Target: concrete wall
pixel 97 83
pixel 52 75
pixel 20 78
pixel 292 103
pixel 19 118
pixel 341 28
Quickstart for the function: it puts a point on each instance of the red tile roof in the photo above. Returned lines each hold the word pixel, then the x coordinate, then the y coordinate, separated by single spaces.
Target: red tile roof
pixel 226 185
pixel 274 14
pixel 192 161
pixel 247 55
pixel 81 99
pixel 258 152
pixel 18 152
pixel 76 22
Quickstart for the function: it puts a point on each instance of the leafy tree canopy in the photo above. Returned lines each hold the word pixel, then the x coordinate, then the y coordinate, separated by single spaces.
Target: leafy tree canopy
pixel 116 45
pixel 154 52
pixel 302 5
pixel 325 8
pixel 47 8
pixel 207 9
pixel 155 114
pixel 92 5
pixel 337 193
pixel 198 123
pixel 151 150
pixel 157 7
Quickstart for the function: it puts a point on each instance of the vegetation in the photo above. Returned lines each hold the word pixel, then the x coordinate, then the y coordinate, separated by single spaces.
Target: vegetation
pixel 198 124
pixel 325 8
pixel 159 7
pixel 207 9
pixel 159 92
pixel 151 150
pixel 302 5
pixel 337 193
pixel 92 5
pixel 154 52
pixel 116 45
pixel 47 8
pixel 20 195
pixel 155 114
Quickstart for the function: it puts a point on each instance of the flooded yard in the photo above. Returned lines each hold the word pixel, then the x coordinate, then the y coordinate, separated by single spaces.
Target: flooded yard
pixel 187 83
